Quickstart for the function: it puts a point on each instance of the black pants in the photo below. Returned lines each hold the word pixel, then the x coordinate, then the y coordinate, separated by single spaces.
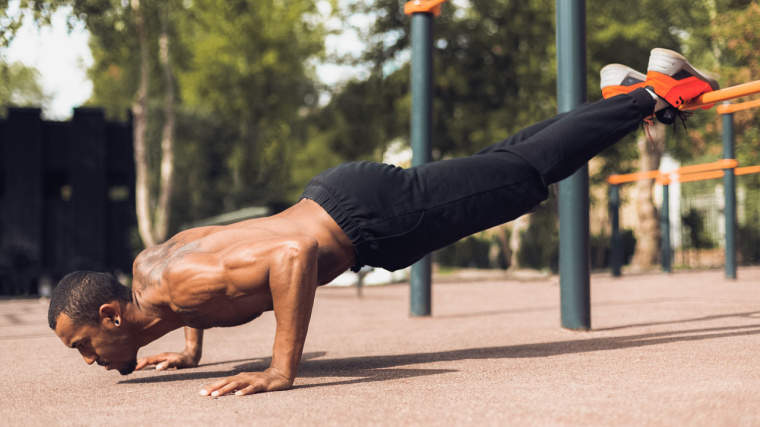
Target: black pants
pixel 395 216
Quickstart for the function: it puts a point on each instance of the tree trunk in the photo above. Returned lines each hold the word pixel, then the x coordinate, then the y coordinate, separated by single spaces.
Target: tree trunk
pixel 651 147
pixel 519 225
pixel 139 123
pixel 161 226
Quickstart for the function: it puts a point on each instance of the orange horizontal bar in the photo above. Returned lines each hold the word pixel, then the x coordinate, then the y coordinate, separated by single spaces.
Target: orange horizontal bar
pixel 630 177
pixel 732 108
pixel 704 167
pixel 723 95
pixel 747 170
pixel 701 176
pixel 665 179
pixel 660 176
pixel 423 6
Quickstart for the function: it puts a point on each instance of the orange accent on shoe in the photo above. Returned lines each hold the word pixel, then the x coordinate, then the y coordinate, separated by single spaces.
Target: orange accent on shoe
pixel 614 90
pixel 677 92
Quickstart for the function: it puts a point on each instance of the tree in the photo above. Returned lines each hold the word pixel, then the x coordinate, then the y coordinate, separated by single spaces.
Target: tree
pixel 240 66
pixel 115 25
pixel 19 86
pixel 250 62
pixel 495 73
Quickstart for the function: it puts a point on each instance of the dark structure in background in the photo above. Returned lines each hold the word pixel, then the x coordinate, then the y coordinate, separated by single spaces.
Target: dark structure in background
pixel 66 197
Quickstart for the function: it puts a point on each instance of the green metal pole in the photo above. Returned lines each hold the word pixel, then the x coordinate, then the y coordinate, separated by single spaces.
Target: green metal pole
pixel 616 249
pixel 729 190
pixel 665 228
pixel 574 258
pixel 422 85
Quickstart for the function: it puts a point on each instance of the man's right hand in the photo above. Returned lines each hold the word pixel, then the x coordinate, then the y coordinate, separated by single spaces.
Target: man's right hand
pixel 166 361
pixel 189 358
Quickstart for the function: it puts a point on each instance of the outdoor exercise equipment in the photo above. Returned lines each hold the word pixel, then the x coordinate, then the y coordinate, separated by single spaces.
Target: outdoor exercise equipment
pixel 574 257
pixel 726 168
pixel 575 276
pixel 727 110
pixel 423 13
pixel 725 94
pixel 718 169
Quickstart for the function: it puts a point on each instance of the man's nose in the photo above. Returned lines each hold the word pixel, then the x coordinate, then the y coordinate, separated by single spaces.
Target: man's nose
pixel 89 358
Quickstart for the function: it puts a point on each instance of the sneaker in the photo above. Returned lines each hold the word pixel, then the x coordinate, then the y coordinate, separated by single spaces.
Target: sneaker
pixel 617 79
pixel 673 79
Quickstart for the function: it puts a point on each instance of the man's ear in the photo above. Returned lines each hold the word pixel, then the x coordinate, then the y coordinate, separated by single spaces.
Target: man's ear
pixel 110 313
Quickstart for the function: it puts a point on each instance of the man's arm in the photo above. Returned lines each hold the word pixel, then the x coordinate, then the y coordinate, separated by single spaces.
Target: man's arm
pixel 188 358
pixel 292 276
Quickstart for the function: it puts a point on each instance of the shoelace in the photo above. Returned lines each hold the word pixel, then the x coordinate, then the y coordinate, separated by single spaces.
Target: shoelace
pixel 649 122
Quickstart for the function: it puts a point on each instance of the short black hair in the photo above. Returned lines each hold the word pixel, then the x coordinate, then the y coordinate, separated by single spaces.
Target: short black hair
pixel 80 294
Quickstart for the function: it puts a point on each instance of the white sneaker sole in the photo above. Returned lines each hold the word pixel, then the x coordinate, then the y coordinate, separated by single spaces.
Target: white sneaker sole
pixel 670 63
pixel 614 74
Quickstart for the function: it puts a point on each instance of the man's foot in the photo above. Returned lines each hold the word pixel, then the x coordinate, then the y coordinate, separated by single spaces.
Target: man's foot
pixel 673 79
pixel 618 78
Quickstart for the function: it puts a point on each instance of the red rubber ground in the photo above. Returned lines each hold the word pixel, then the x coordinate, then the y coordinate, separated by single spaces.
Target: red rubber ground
pixel 677 350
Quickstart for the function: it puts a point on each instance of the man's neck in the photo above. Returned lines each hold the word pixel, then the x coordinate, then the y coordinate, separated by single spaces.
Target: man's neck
pixel 149 321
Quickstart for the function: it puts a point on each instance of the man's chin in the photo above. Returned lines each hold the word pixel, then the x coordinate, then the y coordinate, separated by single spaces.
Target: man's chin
pixel 128 368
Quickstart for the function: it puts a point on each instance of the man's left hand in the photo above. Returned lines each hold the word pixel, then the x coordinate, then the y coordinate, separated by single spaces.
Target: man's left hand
pixel 248 383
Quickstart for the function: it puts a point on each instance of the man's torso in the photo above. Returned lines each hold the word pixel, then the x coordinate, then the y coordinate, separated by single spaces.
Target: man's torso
pixel 185 272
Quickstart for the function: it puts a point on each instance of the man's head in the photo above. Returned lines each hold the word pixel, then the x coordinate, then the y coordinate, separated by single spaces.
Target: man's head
pixel 87 312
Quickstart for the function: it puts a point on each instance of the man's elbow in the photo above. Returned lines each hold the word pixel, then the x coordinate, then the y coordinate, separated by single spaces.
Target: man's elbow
pixel 301 248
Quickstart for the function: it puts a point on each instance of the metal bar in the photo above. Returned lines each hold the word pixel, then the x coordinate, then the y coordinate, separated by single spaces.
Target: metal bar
pixel 665 228
pixel 631 177
pixel 723 95
pixel 677 173
pixel 423 6
pixel 729 191
pixel 728 108
pixel 616 249
pixel 574 258
pixel 704 167
pixel 701 176
pixel 422 92
pixel 747 170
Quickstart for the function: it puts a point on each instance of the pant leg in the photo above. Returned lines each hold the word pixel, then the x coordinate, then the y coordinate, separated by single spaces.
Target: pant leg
pixel 395 216
pixel 523 134
pixel 560 149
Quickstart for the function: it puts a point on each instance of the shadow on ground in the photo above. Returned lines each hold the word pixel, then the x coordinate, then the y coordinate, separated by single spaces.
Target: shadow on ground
pixel 383 368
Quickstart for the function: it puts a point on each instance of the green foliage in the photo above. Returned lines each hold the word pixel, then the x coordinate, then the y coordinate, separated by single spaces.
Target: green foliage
pixel 250 130
pixel 248 62
pixel 540 242
pixel 19 86
pixel 694 222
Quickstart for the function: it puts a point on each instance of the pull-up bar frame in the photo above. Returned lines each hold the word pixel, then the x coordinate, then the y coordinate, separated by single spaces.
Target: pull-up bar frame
pixel 720 95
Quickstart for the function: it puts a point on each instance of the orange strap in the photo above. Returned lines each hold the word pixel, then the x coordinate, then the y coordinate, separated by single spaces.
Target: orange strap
pixel 423 6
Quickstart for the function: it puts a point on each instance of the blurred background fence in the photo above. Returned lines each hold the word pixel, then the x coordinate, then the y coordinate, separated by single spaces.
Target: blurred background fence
pixel 66 197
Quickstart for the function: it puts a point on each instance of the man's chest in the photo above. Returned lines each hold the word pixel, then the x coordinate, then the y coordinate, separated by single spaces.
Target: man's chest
pixel 223 311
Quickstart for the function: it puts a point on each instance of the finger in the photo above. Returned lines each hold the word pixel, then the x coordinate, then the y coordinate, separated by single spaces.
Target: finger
pixel 150 360
pixel 145 361
pixel 251 389
pixel 232 386
pixel 141 364
pixel 206 391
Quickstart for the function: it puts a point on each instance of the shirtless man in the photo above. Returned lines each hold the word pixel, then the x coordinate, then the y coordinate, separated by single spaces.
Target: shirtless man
pixel 352 215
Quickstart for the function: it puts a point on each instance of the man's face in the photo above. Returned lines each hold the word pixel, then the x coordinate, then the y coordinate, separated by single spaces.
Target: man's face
pixel 103 344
